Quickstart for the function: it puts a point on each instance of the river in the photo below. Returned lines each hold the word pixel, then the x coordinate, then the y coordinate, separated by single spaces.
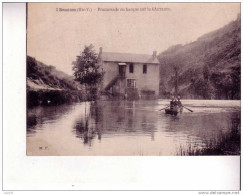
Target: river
pixel 125 127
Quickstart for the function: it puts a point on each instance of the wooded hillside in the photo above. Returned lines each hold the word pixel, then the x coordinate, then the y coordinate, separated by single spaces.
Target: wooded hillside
pixel 41 76
pixel 48 86
pixel 208 68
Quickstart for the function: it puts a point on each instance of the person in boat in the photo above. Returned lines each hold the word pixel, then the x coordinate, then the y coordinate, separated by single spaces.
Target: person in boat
pixel 178 102
pixel 172 102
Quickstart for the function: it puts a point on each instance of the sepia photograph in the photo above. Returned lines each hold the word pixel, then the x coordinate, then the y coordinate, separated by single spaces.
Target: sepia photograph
pixel 133 79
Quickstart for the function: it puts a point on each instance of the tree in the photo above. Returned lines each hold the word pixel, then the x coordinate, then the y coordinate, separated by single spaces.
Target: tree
pixel 223 84
pixel 202 88
pixel 86 71
pixel 206 72
pixel 176 64
pixel 176 68
pixel 236 78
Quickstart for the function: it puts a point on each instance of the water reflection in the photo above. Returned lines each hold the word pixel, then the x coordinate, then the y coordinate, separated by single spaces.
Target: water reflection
pixel 88 126
pixel 124 118
pixel 125 127
pixel 40 115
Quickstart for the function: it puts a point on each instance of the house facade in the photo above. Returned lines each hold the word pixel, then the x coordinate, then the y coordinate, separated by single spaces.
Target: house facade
pixel 132 76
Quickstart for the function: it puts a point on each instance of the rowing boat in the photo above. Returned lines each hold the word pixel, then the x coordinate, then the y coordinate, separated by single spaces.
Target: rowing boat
pixel 174 111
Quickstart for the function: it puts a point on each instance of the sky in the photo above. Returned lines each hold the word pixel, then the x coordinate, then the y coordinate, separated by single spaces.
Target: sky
pixel 56 33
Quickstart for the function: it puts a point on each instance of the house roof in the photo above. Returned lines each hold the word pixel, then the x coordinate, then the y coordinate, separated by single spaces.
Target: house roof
pixel 128 57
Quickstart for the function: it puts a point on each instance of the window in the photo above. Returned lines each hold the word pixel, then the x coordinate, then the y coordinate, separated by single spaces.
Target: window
pixel 144 68
pixel 131 83
pixel 131 68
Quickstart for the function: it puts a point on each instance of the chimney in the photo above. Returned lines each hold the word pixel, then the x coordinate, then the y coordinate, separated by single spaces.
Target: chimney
pixel 101 50
pixel 100 56
pixel 154 54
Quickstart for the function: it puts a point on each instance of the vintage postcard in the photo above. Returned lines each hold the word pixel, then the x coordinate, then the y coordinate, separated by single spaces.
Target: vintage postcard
pixel 110 96
pixel 133 79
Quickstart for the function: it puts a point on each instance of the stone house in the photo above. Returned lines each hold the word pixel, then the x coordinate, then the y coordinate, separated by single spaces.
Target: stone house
pixel 131 76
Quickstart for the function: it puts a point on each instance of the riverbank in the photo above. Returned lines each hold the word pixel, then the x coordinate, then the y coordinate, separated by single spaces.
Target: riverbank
pixel 53 97
pixel 48 86
pixel 226 144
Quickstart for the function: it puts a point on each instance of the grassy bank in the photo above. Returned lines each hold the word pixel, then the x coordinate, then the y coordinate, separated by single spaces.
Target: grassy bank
pixel 53 97
pixel 226 144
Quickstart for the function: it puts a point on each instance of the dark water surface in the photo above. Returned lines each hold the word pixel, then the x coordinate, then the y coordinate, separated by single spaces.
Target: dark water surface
pixel 125 127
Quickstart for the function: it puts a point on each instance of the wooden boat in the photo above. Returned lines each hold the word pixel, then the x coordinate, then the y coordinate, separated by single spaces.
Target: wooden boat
pixel 174 111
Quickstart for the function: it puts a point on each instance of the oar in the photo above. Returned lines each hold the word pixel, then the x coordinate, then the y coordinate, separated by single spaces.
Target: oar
pixel 187 109
pixel 164 108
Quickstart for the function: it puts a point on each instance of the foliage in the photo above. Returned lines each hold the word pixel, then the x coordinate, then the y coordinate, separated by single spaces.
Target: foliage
pixel 226 144
pixel 227 83
pixel 53 97
pixel 201 87
pixel 38 72
pixel 86 70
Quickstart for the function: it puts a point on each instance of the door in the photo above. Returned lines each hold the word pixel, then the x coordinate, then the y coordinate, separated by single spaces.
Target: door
pixel 122 71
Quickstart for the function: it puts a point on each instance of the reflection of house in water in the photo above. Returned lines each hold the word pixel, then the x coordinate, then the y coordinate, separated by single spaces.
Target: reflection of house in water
pixel 126 118
pixel 88 126
pixel 128 75
pixel 113 118
pixel 86 130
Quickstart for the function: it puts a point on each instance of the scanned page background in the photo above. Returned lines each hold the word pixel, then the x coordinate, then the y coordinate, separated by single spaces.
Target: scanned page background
pixel 21 172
